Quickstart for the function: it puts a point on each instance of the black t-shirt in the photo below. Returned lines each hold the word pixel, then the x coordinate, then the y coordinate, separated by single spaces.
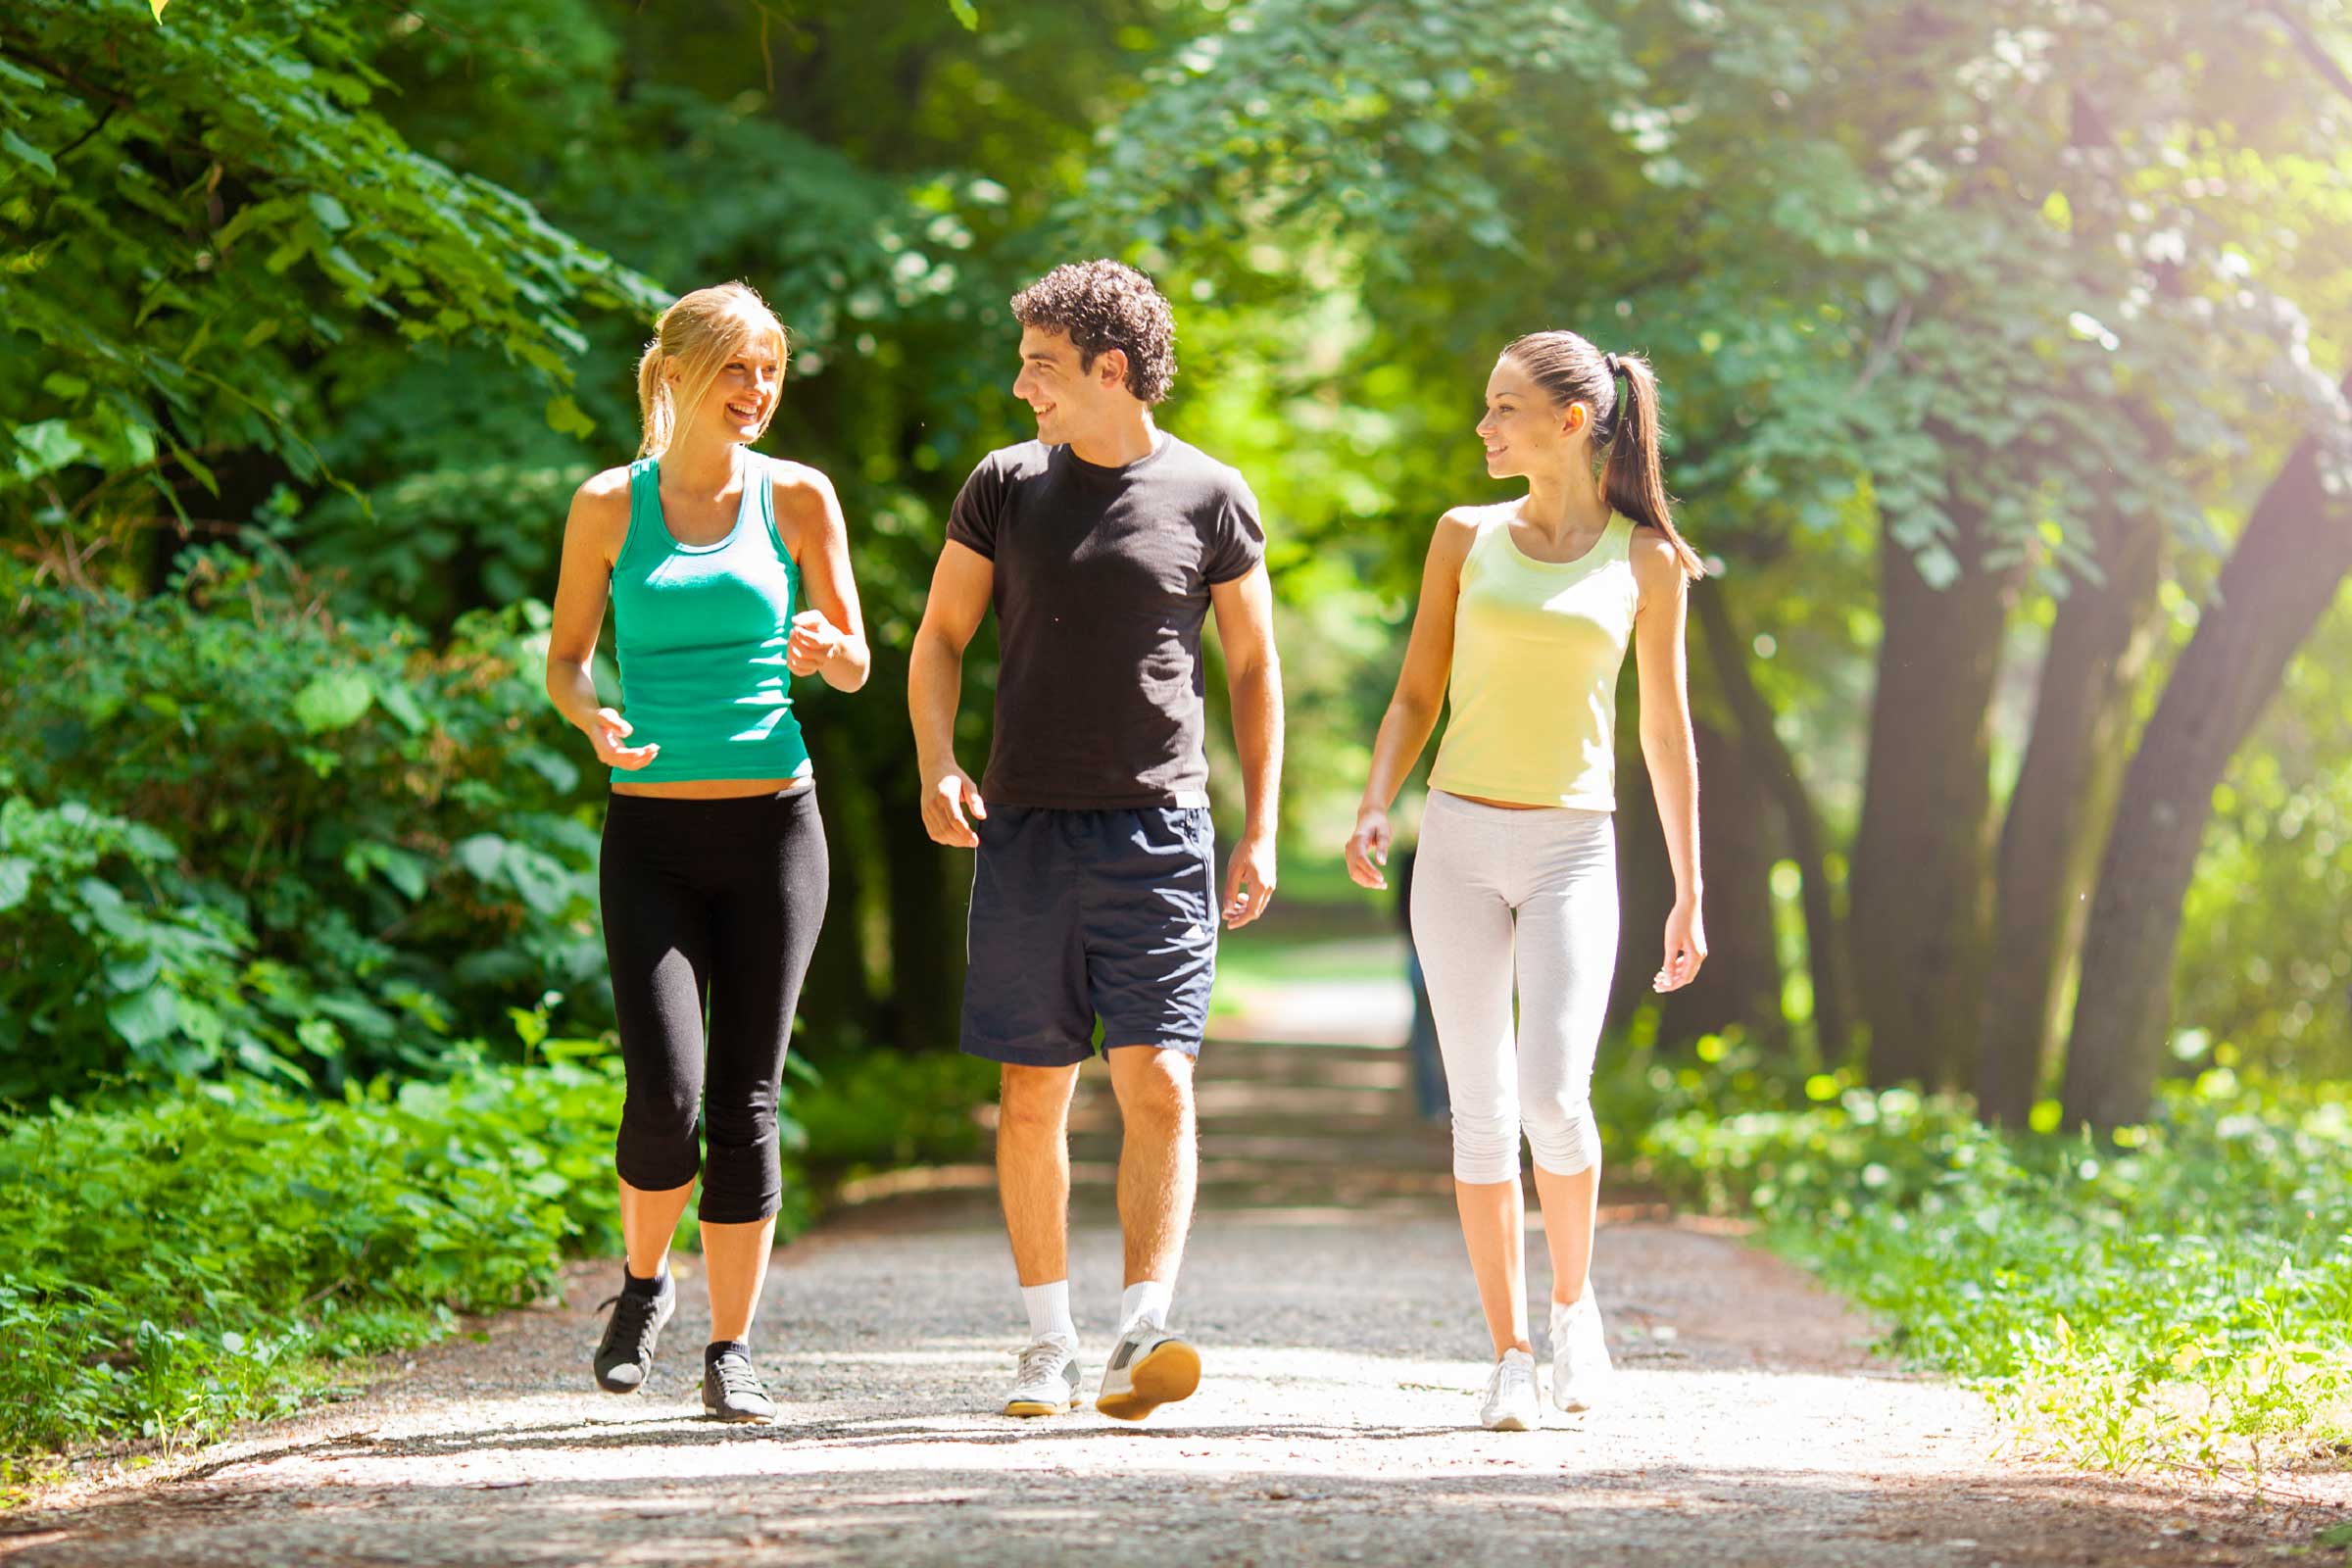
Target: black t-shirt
pixel 1101 583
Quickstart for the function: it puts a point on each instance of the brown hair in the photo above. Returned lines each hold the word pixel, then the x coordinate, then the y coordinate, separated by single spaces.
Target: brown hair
pixel 1572 371
pixel 1106 305
pixel 698 335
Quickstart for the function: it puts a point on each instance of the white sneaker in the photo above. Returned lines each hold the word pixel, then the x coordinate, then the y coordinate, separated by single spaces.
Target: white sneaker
pixel 1511 1403
pixel 1046 1381
pixel 1580 1354
pixel 1149 1368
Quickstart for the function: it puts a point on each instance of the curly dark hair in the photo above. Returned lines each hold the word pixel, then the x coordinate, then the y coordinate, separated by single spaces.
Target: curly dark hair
pixel 1104 305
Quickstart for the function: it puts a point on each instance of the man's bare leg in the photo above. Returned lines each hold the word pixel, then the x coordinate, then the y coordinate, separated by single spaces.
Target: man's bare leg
pixel 1158 1162
pixel 1033 1168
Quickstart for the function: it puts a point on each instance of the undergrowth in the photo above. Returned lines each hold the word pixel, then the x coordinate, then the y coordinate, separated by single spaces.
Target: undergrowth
pixel 217 1251
pixel 2178 1297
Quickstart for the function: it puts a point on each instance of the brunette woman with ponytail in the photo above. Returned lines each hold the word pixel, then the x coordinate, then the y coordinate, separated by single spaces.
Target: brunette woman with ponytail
pixel 725 571
pixel 1527 610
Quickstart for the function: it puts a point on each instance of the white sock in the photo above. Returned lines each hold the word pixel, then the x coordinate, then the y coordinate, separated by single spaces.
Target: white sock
pixel 1050 1310
pixel 1145 1301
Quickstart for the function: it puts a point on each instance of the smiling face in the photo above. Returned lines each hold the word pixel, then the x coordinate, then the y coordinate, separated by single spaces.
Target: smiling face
pixel 742 395
pixel 1524 431
pixel 1070 402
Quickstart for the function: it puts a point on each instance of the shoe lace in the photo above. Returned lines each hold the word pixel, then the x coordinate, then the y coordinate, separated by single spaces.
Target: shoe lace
pixel 1511 1373
pixel 735 1376
pixel 1040 1361
pixel 632 1323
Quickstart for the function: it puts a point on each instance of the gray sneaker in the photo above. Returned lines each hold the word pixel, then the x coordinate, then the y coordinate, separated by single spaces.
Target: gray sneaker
pixel 1149 1368
pixel 732 1390
pixel 625 1354
pixel 1046 1383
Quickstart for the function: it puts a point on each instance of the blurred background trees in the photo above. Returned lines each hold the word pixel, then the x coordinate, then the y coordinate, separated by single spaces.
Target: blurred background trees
pixel 2003 348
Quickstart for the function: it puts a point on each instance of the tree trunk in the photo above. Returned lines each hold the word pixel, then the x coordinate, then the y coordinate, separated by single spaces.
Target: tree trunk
pixel 2063 803
pixel 2284 573
pixel 836 1003
pixel 1741 981
pixel 1775 770
pixel 930 891
pixel 1922 872
pixel 1644 883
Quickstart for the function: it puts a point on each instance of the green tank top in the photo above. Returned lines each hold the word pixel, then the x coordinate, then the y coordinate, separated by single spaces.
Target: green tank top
pixel 1537 648
pixel 700 632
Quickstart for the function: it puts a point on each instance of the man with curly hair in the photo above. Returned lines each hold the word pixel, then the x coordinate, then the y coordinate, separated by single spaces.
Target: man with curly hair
pixel 1102 546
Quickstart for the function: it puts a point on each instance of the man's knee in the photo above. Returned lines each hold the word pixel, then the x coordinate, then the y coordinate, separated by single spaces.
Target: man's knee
pixel 1154 1087
pixel 1035 1099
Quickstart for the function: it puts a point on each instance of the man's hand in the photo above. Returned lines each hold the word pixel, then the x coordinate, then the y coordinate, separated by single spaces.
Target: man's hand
pixel 1249 879
pixel 948 793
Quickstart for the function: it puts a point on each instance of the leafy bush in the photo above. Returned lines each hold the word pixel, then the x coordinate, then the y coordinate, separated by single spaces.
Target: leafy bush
pixel 887 1107
pixel 242 829
pixel 2183 1296
pixel 212 1254
pixel 180 1262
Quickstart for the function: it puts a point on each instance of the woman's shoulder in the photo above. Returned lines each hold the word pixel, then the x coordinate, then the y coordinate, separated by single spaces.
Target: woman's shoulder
pixel 1460 528
pixel 794 485
pixel 603 496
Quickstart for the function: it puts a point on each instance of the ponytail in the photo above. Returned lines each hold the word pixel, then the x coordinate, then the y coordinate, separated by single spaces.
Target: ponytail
pixel 694 338
pixel 657 405
pixel 1632 479
pixel 1623 424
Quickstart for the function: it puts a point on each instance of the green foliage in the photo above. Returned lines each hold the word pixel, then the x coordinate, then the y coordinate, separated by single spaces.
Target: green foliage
pixel 212 1254
pixel 202 215
pixel 2181 1297
pixel 886 1109
pixel 246 830
pixel 220 1252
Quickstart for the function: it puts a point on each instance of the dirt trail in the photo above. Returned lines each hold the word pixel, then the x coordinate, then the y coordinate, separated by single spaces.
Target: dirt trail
pixel 1335 1423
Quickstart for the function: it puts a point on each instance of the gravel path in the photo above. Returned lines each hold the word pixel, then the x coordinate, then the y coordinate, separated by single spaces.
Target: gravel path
pixel 1336 1420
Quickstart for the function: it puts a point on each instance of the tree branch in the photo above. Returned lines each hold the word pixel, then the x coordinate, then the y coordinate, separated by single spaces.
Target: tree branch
pixel 2313 50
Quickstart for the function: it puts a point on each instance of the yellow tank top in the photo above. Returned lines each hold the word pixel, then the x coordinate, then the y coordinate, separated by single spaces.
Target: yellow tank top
pixel 1537 648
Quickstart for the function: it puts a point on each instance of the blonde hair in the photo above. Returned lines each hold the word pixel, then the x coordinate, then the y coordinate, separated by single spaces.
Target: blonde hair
pixel 696 337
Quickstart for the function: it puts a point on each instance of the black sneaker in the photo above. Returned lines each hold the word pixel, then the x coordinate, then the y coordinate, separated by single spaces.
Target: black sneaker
pixel 626 1356
pixel 731 1390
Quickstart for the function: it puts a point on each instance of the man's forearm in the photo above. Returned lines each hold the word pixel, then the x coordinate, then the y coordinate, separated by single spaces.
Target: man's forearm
pixel 1257 738
pixel 934 684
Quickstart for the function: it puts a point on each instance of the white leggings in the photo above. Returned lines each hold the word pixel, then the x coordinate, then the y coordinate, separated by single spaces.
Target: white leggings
pixel 1491 884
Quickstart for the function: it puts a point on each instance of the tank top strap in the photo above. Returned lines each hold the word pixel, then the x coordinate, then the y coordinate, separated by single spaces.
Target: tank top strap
pixel 645 510
pixel 1618 538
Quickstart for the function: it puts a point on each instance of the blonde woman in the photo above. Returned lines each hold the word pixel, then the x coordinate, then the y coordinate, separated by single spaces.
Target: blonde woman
pixel 725 571
pixel 1527 610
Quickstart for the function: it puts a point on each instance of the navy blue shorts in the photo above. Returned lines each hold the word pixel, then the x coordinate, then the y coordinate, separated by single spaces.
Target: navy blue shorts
pixel 1080 914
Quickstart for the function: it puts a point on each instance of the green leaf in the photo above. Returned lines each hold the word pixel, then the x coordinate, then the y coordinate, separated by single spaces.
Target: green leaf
pixel 16 880
pixel 133 974
pixel 26 152
pixel 330 213
pixel 145 1018
pixel 51 445
pixel 966 12
pixel 400 704
pixel 482 855
pixel 334 701
pixel 566 417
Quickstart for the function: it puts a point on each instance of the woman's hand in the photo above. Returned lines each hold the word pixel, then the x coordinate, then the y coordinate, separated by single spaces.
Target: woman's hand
pixel 1685 948
pixel 813 642
pixel 606 732
pixel 1368 847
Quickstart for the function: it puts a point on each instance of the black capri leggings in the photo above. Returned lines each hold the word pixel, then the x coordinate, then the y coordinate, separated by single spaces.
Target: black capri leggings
pixel 717 903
